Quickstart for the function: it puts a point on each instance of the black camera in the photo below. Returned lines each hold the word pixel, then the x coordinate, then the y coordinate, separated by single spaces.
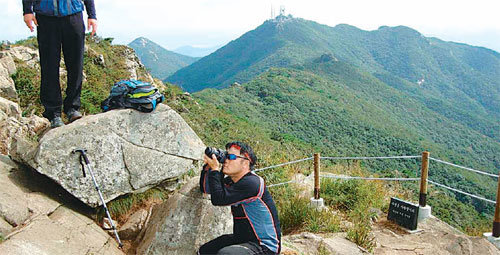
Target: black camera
pixel 219 154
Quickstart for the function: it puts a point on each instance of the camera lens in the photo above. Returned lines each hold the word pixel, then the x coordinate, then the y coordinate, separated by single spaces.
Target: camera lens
pixel 219 154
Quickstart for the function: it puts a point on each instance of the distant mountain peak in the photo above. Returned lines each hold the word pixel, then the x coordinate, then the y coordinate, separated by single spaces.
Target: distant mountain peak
pixel 142 40
pixel 400 29
pixel 159 60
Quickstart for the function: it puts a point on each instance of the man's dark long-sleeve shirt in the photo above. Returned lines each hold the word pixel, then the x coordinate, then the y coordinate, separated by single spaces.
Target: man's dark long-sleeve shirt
pixel 254 213
pixel 59 8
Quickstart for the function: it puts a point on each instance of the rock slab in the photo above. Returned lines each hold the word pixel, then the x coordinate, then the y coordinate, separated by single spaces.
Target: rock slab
pixel 33 223
pixel 184 222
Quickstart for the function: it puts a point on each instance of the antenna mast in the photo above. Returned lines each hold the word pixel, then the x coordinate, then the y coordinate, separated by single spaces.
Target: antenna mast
pixel 282 10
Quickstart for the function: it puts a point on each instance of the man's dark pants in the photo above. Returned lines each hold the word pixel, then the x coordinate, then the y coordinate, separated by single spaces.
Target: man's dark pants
pixel 226 244
pixel 52 33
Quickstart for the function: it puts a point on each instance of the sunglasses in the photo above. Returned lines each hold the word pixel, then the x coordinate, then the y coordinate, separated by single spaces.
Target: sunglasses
pixel 234 156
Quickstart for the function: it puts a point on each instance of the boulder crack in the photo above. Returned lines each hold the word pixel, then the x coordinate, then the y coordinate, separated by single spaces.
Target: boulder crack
pixel 149 148
pixel 128 170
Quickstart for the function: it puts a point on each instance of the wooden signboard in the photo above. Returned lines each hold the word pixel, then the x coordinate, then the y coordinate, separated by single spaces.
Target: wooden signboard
pixel 403 213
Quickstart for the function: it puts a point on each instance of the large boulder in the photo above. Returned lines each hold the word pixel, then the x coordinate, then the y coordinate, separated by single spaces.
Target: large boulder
pixel 184 222
pixel 129 151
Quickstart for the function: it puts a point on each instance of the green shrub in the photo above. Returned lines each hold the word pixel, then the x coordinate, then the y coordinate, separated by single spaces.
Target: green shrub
pixel 293 214
pixel 360 232
pixel 322 221
pixel 322 250
pixel 360 235
pixel 348 194
pixel 29 42
pixel 296 215
pixel 27 82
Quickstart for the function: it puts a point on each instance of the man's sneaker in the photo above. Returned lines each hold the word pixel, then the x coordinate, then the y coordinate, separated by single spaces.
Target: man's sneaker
pixel 73 115
pixel 56 122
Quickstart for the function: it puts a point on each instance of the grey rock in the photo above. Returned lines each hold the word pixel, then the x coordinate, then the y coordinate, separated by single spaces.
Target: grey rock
pixel 179 226
pixel 7 86
pixel 129 151
pixel 134 225
pixel 13 208
pixel 8 63
pixel 100 60
pixel 23 53
pixel 17 202
pixel 434 237
pixel 309 243
pixel 13 203
pixel 43 225
pixel 11 109
pixel 5 227
pixel 14 127
pixel 132 63
pixel 63 232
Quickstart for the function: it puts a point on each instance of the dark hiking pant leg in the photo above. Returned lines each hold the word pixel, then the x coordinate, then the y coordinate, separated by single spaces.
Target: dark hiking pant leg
pixel 212 247
pixel 73 40
pixel 249 248
pixel 49 47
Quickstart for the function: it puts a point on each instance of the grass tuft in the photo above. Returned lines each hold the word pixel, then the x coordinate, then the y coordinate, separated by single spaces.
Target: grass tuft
pixel 120 207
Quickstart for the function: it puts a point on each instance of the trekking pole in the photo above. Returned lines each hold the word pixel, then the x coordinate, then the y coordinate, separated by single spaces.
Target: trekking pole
pixel 83 158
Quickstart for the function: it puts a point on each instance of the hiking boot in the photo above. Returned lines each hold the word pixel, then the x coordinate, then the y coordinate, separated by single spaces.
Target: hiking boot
pixel 73 115
pixel 56 122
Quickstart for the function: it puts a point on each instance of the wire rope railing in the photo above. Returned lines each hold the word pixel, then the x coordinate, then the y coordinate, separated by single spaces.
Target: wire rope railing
pixel 463 167
pixel 423 179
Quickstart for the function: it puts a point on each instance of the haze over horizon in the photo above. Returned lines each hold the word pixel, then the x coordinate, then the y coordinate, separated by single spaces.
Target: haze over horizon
pixel 204 23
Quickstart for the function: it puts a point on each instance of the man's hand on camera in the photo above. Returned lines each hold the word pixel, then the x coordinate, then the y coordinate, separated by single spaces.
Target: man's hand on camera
pixel 211 162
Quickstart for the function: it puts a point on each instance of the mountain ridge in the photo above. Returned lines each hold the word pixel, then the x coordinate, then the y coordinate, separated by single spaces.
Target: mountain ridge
pixel 159 60
pixel 438 73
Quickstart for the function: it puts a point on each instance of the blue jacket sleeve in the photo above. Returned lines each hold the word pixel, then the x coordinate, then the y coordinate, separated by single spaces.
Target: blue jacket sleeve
pixel 90 7
pixel 27 6
pixel 243 190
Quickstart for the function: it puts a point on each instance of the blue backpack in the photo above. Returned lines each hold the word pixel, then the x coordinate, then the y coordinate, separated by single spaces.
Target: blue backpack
pixel 134 94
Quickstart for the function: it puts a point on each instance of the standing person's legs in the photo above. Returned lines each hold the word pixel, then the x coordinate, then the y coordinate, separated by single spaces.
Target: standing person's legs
pixel 73 40
pixel 212 247
pixel 49 47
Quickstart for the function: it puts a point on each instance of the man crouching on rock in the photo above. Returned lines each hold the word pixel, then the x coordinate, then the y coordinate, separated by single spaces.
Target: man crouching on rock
pixel 256 227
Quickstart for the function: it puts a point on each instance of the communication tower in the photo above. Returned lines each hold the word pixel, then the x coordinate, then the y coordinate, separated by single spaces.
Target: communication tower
pixel 282 10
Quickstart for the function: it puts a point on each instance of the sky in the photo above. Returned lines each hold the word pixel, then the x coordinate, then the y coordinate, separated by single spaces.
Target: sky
pixel 208 23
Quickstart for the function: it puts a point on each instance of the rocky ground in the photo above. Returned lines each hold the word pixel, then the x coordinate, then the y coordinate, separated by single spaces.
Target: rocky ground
pixel 34 220
pixel 432 237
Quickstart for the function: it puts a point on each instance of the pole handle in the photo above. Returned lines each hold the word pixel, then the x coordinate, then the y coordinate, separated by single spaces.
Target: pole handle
pixel 83 158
